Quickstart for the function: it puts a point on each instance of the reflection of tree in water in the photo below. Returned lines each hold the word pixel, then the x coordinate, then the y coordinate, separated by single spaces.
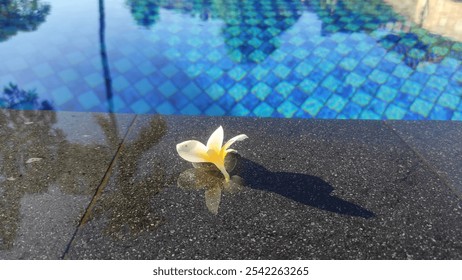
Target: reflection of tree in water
pixel 15 98
pixel 251 27
pixel 64 164
pixel 21 15
pixel 128 204
pixel 145 12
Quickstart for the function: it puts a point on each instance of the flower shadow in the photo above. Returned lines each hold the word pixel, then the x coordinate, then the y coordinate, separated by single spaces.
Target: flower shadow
pixel 302 188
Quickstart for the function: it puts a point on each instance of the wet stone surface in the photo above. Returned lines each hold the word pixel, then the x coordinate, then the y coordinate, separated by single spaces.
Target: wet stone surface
pixel 313 190
pixel 50 166
pixel 438 143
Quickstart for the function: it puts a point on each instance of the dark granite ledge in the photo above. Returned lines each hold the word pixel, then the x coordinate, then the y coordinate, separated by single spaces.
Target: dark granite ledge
pixel 315 189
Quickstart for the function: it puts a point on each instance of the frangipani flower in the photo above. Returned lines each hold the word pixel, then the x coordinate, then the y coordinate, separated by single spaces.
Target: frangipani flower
pixel 215 152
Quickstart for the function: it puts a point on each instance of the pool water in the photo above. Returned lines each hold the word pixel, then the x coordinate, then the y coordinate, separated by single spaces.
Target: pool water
pixel 268 58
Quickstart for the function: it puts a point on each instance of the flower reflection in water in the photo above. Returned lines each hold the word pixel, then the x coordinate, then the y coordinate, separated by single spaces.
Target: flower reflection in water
pixel 207 177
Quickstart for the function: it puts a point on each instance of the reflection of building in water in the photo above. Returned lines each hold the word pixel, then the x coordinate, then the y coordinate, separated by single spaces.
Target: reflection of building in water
pixel 411 43
pixel 17 15
pixel 251 27
pixel 443 17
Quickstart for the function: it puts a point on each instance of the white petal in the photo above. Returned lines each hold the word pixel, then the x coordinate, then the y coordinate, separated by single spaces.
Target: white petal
pixel 240 137
pixel 192 150
pixel 216 140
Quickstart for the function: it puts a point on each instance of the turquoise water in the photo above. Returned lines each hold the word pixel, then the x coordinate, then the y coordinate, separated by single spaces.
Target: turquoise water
pixel 266 58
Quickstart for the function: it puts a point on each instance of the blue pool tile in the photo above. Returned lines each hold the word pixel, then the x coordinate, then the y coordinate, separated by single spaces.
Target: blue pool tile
pixel 43 70
pixel 386 66
pixel 355 80
pixel 116 104
pixel 215 110
pixel 457 116
pixel 123 65
pixel 348 63
pixel 331 83
pixel 281 71
pixel 178 100
pixel 180 79
pixel 190 109
pixel 94 79
pixel 437 82
pixel 191 90
pixel 225 81
pixel 167 89
pixel 421 107
pixel 88 100
pixel 144 86
pixel 322 94
pixel 120 83
pixel 403 71
pixel 240 110
pixel 449 101
pixel 215 91
pixel 238 91
pixel 441 113
pixel 202 101
pixel 326 113
pixel 297 97
pixel 263 110
pixel 147 68
pixel 419 77
pixel 140 107
pixel 61 95
pixel 352 110
pixel 411 116
pixel 387 93
pixel 370 115
pixel 287 109
pixel 308 86
pixel 215 72
pixel 166 108
pixel 336 103
pixel 378 76
pixel 394 82
pixel 411 88
pixel 250 101
pixel 284 88
pixel 226 102
pixel 394 112
pixel 361 98
pixel 274 100
pixel 237 73
pixel 404 100
pixel 370 87
pixel 259 72
pixel 378 106
pixel 261 90
pixel 68 75
pixel 430 94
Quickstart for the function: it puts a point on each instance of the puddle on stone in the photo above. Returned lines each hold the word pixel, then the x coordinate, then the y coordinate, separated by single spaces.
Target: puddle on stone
pixel 126 203
pixel 206 177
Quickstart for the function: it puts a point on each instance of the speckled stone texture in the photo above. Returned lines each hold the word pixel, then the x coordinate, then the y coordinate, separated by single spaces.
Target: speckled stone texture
pixel 314 190
pixel 50 167
pixel 439 144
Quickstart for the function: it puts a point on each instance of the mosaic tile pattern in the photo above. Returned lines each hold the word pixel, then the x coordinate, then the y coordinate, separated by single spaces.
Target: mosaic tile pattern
pixel 268 58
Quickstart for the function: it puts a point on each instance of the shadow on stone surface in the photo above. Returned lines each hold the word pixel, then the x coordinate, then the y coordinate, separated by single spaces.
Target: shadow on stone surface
pixel 302 188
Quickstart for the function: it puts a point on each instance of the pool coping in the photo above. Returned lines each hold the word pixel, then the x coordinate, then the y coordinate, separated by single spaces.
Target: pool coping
pixel 427 158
